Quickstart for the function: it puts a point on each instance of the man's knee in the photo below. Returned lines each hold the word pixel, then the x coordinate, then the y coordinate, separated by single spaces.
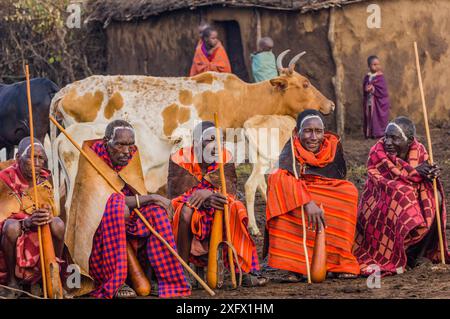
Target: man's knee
pixel 57 228
pixel 12 230
pixel 186 215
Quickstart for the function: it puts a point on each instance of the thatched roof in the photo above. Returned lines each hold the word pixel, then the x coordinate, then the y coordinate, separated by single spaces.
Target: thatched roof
pixel 125 10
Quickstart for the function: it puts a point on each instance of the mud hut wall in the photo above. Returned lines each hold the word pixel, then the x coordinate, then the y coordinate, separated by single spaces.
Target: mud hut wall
pixel 402 23
pixel 160 46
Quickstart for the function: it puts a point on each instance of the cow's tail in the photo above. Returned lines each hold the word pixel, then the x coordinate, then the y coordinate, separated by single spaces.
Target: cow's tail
pixel 55 164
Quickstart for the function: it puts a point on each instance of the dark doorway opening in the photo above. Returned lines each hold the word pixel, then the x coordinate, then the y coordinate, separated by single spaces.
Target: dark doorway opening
pixel 230 35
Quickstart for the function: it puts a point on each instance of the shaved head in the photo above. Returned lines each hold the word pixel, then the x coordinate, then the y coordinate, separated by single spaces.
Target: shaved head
pixel 265 43
pixel 407 126
pixel 25 145
pixel 205 145
pixel 115 125
pixel 204 25
pixel 120 142
pixel 23 158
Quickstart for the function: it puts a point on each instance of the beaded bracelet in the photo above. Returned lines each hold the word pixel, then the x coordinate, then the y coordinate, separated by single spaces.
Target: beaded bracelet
pixel 137 201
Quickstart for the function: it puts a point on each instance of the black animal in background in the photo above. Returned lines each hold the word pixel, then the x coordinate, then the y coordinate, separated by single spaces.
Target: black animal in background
pixel 14 118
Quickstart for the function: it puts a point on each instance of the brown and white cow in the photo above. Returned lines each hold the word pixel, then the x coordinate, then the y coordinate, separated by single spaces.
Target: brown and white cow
pixel 169 106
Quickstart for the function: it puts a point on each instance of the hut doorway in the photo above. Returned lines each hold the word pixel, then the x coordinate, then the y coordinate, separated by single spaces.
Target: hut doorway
pixel 230 35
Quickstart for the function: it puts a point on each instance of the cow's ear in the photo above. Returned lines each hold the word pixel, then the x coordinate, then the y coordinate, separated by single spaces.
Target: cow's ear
pixel 280 83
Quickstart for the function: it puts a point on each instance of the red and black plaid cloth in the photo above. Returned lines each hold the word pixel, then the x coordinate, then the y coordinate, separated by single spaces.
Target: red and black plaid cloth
pixel 396 211
pixel 108 259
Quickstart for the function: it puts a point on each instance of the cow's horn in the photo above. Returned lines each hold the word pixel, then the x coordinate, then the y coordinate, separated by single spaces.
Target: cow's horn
pixel 294 61
pixel 280 59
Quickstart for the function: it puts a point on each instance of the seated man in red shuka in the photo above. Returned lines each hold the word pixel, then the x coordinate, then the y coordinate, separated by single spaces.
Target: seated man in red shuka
pixel 103 222
pixel 19 254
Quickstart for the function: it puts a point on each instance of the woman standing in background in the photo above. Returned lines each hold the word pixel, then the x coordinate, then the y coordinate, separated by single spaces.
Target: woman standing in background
pixel 376 103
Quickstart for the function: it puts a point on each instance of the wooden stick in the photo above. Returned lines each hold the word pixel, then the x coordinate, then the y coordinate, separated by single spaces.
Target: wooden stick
pixel 33 173
pixel 305 248
pixel 138 213
pixel 225 208
pixel 430 153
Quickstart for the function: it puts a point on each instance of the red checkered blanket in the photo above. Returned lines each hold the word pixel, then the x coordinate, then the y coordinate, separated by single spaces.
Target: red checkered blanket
pixel 396 211
pixel 108 259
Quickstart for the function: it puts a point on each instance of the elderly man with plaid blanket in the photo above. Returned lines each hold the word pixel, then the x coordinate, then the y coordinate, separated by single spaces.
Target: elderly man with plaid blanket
pixel 397 212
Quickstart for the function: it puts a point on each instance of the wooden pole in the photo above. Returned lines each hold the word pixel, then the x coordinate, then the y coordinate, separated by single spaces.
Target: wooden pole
pixel 51 281
pixel 33 173
pixel 225 208
pixel 138 213
pixel 337 79
pixel 305 248
pixel 258 27
pixel 430 153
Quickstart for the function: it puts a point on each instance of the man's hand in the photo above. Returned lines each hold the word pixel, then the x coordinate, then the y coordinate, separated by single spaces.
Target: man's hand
pixel 316 216
pixel 160 200
pixel 428 171
pixel 39 217
pixel 198 197
pixel 164 203
pixel 217 201
pixel 370 88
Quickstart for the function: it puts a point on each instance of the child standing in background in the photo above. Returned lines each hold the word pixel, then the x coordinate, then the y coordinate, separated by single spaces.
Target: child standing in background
pixel 263 61
pixel 376 100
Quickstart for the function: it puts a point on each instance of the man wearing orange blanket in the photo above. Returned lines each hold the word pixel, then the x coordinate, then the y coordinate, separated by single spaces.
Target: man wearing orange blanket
pixel 193 184
pixel 210 55
pixel 320 167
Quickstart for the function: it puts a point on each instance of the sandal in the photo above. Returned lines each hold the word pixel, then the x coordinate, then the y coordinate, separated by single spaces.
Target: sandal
pixel 265 266
pixel 346 275
pixel 125 292
pixel 292 277
pixel 249 280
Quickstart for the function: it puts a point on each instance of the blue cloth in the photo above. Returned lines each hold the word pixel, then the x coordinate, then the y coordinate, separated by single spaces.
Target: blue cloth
pixel 264 66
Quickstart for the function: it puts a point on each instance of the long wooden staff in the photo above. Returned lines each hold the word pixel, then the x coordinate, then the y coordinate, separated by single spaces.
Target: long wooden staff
pixel 305 248
pixel 223 190
pixel 138 213
pixel 51 280
pixel 430 153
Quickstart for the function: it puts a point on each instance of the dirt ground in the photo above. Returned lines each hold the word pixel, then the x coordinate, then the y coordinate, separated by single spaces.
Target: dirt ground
pixel 424 281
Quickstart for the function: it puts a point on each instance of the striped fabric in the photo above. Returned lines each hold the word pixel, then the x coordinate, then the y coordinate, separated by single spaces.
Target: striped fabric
pixel 286 195
pixel 201 227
